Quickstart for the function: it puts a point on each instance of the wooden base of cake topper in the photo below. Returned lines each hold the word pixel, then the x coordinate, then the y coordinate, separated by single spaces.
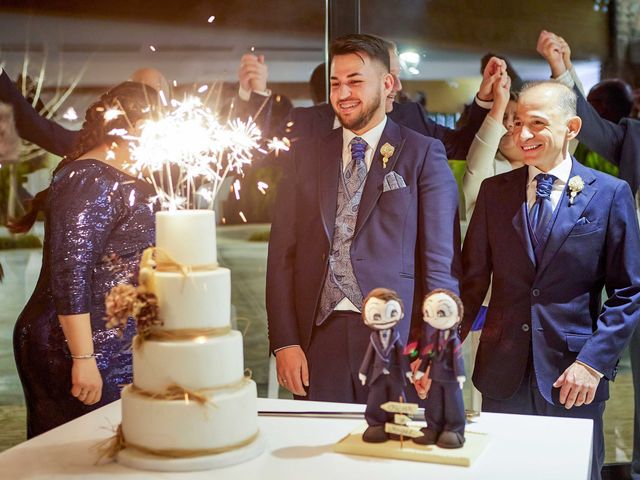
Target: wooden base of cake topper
pixel 474 445
pixel 143 461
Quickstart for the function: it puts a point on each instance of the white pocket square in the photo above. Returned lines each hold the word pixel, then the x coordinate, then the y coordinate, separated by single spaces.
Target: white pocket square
pixel 393 181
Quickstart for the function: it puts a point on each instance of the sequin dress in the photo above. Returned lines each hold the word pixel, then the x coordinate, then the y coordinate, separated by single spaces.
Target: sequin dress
pixel 97 223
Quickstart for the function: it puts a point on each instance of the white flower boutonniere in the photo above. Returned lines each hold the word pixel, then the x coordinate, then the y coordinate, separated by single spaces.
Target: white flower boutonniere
pixel 576 184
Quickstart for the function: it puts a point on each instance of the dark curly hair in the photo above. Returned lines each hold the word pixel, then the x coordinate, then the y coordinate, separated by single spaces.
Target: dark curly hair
pixel 132 101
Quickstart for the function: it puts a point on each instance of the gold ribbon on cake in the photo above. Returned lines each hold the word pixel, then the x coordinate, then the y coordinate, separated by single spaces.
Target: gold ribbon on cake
pixel 155 259
pixel 177 335
pixel 110 447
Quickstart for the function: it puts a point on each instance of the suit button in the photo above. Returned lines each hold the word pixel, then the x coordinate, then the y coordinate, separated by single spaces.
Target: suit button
pixel 525 327
pixel 535 292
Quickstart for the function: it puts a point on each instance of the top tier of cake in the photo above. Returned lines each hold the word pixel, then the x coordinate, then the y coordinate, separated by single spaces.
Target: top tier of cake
pixel 189 236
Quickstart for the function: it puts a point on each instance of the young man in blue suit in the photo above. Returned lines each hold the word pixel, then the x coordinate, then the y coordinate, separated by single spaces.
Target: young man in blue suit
pixel 309 121
pixel 552 234
pixel 367 205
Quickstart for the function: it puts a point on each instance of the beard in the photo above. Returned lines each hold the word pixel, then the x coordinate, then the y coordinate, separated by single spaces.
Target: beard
pixel 368 112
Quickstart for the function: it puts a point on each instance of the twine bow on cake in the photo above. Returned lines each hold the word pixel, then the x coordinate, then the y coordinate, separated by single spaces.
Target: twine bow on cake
pixel 126 300
pixel 155 259
pixel 110 447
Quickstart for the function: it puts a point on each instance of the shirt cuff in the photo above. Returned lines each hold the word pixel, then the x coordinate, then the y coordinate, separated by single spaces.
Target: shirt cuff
pixel 484 103
pixel 565 79
pixel 283 348
pixel 591 369
pixel 245 95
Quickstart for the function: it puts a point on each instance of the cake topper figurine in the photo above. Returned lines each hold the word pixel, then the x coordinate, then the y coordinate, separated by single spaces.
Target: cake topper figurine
pixel 441 359
pixel 384 366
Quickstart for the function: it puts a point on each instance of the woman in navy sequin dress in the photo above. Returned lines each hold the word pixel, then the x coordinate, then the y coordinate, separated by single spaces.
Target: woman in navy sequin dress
pixel 98 220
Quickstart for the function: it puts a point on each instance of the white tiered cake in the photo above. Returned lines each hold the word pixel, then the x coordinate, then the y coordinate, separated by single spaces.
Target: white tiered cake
pixel 190 434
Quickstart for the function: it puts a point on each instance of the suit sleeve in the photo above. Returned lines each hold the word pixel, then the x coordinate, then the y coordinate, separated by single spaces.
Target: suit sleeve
pixel 439 227
pixel 620 312
pixel 600 135
pixel 456 142
pixel 476 263
pixel 32 126
pixel 481 160
pixel 280 288
pixel 458 361
pixel 366 361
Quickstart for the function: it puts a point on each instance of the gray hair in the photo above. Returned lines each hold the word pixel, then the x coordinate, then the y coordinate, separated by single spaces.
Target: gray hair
pixel 567 99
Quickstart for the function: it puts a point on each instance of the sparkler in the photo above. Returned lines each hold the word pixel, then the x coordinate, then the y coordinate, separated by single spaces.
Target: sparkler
pixel 188 153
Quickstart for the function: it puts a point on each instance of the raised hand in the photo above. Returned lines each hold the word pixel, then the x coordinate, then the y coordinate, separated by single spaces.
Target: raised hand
pixel 550 48
pixel 566 53
pixel 501 89
pixel 491 72
pixel 253 73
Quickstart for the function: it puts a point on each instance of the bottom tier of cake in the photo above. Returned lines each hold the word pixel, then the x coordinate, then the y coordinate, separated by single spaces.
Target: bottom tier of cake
pixel 229 419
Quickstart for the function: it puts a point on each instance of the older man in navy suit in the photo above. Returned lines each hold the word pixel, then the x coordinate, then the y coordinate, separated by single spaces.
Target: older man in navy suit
pixel 553 234
pixel 369 205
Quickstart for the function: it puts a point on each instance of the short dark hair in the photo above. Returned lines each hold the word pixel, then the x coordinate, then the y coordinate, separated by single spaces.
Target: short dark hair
pixel 318 84
pixel 612 98
pixel 374 47
pixel 567 99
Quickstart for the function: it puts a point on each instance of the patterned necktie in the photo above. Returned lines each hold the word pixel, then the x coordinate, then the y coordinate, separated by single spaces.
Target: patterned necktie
pixel 541 211
pixel 356 170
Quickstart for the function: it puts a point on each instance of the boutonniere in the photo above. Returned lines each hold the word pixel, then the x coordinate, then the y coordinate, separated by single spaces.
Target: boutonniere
pixel 386 151
pixel 576 184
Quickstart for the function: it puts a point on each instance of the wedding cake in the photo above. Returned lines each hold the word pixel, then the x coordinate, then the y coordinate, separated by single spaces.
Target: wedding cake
pixel 190 397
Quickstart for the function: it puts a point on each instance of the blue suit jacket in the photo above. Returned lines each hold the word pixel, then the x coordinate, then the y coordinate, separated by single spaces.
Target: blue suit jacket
pixel 553 308
pixel 394 230
pixel 619 143
pixel 318 120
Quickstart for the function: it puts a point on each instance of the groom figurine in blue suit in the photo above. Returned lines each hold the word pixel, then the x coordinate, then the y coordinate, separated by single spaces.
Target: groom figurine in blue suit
pixel 364 206
pixel 553 234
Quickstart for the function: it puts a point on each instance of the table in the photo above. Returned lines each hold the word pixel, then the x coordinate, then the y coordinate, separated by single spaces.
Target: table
pixel 521 446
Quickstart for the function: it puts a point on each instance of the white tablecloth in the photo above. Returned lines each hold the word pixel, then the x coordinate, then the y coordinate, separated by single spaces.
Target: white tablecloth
pixel 521 447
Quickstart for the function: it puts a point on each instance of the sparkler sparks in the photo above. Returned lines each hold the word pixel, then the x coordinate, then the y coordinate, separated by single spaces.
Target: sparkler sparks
pixel 112 114
pixel 277 145
pixel 70 114
pixel 263 187
pixel 191 152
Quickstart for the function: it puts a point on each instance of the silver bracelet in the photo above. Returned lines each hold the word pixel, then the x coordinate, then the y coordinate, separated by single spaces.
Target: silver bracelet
pixel 83 357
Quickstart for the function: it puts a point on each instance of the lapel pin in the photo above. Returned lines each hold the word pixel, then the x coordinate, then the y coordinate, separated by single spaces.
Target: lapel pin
pixel 386 151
